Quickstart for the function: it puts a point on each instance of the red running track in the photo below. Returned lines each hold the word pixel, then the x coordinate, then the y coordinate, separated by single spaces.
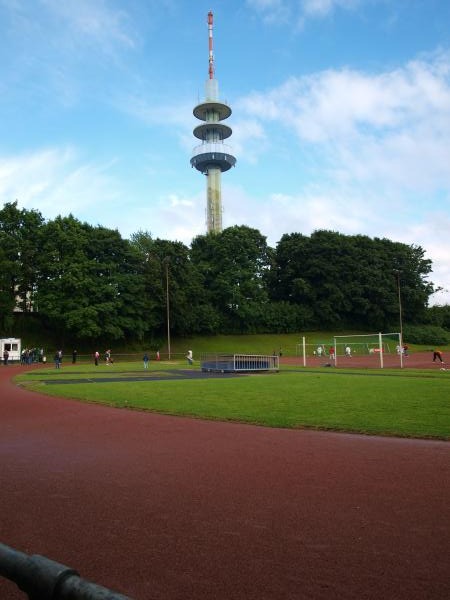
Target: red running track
pixel 169 508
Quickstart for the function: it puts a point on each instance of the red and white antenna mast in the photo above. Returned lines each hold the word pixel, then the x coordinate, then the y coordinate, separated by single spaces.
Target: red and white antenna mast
pixel 211 54
pixel 212 157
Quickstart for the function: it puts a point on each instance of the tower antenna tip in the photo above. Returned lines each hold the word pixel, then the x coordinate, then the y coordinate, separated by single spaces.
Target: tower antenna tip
pixel 211 54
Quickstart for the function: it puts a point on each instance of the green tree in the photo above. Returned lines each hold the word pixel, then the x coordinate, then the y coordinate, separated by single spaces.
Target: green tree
pixel 233 265
pixel 170 275
pixel 89 283
pixel 7 298
pixel 19 238
pixel 439 315
pixel 350 280
pixel 151 269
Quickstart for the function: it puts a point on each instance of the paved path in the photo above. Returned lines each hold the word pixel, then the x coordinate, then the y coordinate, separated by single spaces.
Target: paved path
pixel 170 508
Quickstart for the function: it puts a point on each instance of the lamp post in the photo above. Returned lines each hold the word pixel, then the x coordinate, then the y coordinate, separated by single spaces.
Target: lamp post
pixel 397 272
pixel 399 305
pixel 166 265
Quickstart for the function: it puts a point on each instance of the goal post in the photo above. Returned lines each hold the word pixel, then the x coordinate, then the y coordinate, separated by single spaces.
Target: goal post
pixel 380 344
pixel 306 349
pixel 372 350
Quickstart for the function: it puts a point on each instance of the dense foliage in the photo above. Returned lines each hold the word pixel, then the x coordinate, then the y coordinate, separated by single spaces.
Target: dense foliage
pixel 88 283
pixel 351 281
pixel 426 334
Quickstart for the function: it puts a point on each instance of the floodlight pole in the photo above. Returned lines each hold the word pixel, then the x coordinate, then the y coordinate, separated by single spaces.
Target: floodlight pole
pixel 400 307
pixel 397 272
pixel 166 264
pixel 380 347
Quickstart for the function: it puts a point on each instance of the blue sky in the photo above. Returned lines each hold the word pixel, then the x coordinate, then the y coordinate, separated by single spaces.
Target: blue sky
pixel 341 115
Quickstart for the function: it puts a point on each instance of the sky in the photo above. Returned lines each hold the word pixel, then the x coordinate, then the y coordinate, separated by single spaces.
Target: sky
pixel 341 116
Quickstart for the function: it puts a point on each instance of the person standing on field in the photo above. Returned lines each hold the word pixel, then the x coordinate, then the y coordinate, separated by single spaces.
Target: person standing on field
pixel 96 357
pixel 437 354
pixel 146 360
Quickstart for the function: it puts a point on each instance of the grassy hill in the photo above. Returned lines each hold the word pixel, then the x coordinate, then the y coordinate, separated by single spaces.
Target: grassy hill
pixel 288 344
pixel 33 335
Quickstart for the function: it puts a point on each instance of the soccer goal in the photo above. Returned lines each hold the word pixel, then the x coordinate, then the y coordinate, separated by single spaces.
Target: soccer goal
pixel 379 345
pixel 369 350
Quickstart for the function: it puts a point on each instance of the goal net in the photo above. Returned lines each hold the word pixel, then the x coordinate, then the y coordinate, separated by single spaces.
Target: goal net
pixel 376 350
pixel 379 345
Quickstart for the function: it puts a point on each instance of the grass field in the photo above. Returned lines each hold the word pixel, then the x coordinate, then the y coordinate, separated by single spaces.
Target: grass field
pixel 411 404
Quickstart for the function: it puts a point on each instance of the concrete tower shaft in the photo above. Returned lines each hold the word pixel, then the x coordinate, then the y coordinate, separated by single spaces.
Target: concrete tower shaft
pixel 214 199
pixel 212 157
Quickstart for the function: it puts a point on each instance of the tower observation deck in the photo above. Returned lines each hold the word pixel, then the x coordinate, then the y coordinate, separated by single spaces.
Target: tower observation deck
pixel 212 157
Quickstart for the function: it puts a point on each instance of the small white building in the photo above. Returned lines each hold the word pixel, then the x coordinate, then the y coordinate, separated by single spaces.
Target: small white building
pixel 13 345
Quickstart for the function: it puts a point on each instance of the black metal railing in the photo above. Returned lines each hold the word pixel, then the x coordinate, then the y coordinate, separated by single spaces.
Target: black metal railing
pixel 44 579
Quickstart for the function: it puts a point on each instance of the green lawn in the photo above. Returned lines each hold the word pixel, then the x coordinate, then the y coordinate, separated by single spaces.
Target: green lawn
pixel 413 403
pixel 289 343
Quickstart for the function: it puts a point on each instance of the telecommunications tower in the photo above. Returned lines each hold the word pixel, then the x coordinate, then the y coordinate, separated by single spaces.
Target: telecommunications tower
pixel 212 157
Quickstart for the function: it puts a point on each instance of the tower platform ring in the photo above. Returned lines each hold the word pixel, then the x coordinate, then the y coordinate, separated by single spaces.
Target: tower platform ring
pixel 202 130
pixel 213 159
pixel 201 110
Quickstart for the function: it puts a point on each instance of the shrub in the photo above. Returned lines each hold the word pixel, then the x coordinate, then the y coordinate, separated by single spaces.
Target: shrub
pixel 426 334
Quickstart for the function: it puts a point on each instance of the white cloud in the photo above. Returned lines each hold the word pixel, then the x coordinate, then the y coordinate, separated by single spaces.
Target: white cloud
pixel 55 181
pixel 376 149
pixel 322 8
pixel 249 140
pixel 151 111
pixel 80 24
pixel 93 23
pixel 306 211
pixel 334 209
pixel 55 52
pixel 272 11
pixel 331 103
pixel 432 235
pixel 298 11
pixel 172 216
pixel 392 127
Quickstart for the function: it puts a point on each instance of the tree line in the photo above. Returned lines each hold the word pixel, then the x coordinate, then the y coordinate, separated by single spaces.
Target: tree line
pixel 88 283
